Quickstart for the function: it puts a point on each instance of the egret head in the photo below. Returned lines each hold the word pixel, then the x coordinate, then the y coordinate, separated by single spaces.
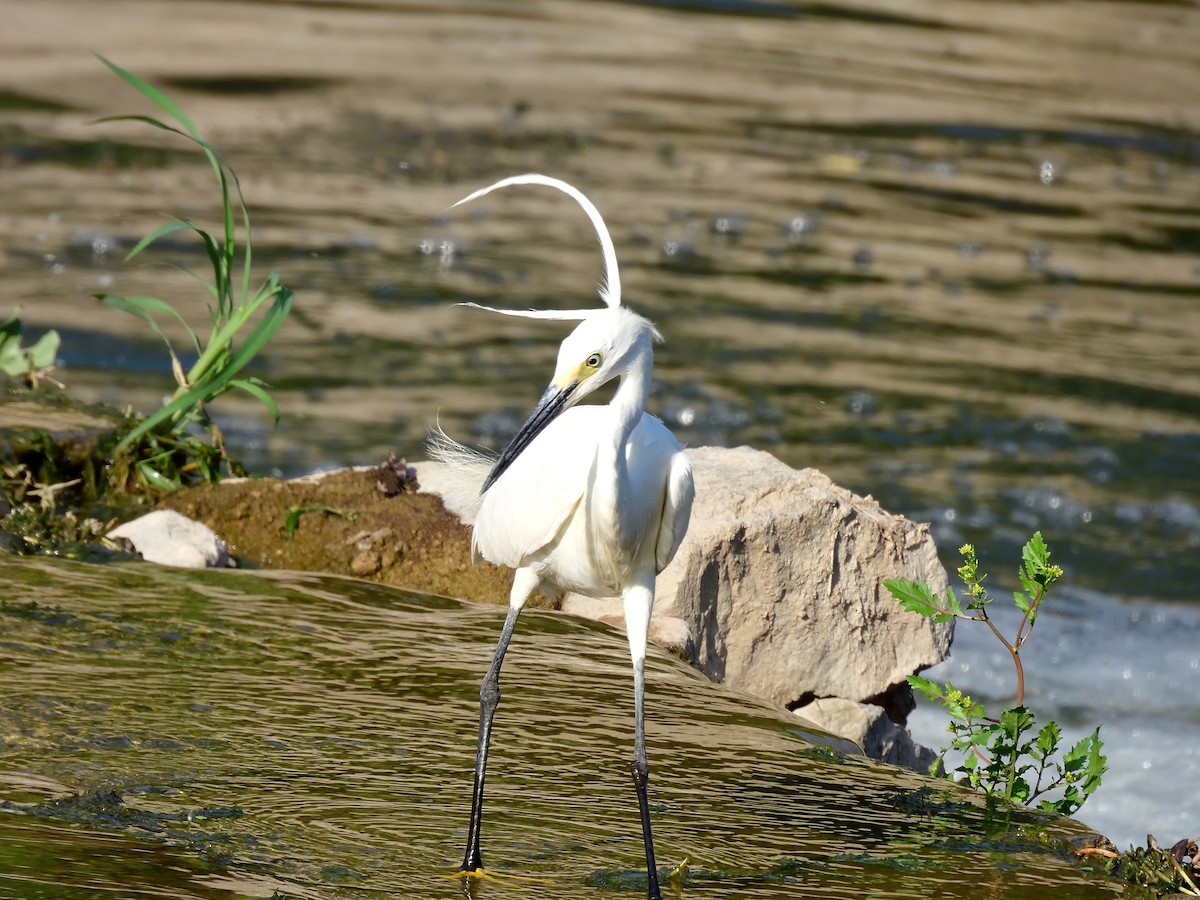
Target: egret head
pixel 607 344
pixel 602 346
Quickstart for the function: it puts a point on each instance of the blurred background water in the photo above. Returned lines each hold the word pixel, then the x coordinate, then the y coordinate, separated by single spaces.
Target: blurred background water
pixel 947 252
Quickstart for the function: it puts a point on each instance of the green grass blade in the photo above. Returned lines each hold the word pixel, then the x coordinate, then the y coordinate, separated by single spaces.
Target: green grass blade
pixel 145 308
pixel 263 330
pixel 165 103
pixel 155 478
pixel 154 95
pixel 210 388
pixel 207 285
pixel 161 231
pixel 254 387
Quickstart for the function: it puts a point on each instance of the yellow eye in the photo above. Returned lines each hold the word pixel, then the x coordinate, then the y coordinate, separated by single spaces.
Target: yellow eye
pixel 593 361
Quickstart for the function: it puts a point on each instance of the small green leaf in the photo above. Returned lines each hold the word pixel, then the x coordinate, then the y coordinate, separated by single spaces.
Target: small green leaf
pixel 44 351
pixel 1034 554
pixel 1021 601
pixel 925 686
pixel 1019 791
pixel 145 308
pixel 292 522
pixel 1046 744
pixel 914 596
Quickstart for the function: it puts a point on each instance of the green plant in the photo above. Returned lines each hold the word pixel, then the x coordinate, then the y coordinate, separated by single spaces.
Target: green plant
pixel 158 440
pixel 1173 872
pixel 1003 756
pixel 29 363
pixel 292 522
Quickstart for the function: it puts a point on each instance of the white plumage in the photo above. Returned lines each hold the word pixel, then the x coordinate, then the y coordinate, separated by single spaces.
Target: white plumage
pixel 590 499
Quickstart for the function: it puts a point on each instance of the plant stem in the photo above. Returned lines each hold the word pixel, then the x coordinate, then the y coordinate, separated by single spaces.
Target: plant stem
pixel 1014 651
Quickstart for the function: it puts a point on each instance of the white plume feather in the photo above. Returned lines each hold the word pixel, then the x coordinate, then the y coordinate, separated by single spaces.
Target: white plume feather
pixel 463 472
pixel 610 284
pixel 566 315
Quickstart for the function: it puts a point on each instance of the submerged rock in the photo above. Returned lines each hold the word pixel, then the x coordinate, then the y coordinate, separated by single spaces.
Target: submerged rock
pixel 868 726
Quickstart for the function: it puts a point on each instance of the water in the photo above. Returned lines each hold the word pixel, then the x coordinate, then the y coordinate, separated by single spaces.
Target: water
pixel 949 254
pixel 233 734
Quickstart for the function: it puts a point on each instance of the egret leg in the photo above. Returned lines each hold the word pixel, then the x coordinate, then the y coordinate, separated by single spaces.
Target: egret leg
pixel 641 774
pixel 524 584
pixel 639 600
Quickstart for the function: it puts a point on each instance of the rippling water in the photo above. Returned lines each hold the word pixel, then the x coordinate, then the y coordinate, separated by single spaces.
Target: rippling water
pixel 315 736
pixel 947 252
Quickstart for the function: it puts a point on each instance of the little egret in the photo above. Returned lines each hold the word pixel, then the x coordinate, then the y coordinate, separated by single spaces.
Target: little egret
pixel 591 499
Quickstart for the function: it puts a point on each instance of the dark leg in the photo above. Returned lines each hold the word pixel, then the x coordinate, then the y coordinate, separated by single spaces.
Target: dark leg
pixel 641 772
pixel 489 699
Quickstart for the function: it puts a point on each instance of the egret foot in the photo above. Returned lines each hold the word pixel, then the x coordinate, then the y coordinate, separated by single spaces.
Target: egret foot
pixel 498 876
pixel 679 873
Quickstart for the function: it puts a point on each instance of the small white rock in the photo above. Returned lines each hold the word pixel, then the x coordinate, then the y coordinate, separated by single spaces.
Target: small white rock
pixel 172 539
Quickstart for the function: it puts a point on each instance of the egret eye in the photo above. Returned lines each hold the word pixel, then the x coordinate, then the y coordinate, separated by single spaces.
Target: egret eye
pixel 593 361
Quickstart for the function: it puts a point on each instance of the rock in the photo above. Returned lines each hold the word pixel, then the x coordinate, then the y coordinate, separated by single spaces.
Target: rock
pixel 869 727
pixel 171 539
pixel 365 563
pixel 780 583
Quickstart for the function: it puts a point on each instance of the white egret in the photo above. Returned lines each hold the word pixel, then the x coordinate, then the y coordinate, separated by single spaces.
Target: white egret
pixel 591 499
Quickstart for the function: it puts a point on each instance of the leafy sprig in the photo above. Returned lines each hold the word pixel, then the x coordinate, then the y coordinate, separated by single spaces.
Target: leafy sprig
pixel 1002 756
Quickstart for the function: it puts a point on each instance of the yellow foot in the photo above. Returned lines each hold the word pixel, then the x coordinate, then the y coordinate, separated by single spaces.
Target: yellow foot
pixel 499 876
pixel 677 875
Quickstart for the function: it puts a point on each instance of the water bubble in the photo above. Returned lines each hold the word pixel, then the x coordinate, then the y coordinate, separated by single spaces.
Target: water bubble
pixel 729 224
pixel 1048 173
pixel 797 227
pixel 1036 256
pixel 677 250
pixel 861 403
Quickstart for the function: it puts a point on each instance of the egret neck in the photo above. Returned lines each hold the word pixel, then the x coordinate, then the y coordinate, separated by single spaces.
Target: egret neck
pixel 612 486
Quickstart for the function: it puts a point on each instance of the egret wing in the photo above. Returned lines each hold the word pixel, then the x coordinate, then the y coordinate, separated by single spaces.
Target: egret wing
pixel 677 509
pixel 534 500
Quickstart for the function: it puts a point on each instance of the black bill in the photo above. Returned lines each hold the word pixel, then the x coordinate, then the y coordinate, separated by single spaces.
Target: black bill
pixel 553 402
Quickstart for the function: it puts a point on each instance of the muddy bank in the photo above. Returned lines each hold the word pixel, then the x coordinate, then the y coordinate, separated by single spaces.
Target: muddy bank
pixel 343 524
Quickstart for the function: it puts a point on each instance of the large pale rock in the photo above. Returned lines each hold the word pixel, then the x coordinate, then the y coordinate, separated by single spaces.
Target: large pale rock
pixel 172 539
pixel 780 581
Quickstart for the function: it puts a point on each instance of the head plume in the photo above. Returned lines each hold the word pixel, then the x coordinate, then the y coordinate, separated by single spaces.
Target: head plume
pixel 610 283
